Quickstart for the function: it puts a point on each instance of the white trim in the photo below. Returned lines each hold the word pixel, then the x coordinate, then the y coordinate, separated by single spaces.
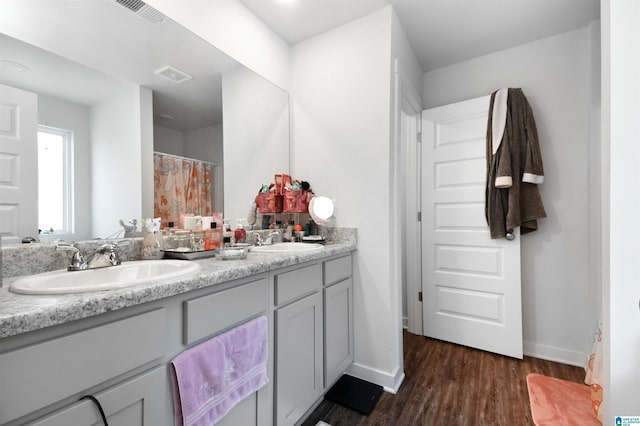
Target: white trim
pixel 556 354
pixel 531 178
pixel 390 383
pixel 68 209
pixel 504 182
pixel 409 180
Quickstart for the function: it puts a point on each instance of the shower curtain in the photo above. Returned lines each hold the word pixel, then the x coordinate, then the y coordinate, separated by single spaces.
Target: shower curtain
pixel 181 186
pixel 594 373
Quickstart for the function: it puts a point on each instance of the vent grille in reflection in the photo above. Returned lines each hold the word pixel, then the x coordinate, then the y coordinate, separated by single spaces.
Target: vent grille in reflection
pixel 143 10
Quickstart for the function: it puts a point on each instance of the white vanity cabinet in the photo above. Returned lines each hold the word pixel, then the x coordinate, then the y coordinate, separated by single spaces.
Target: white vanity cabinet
pixel 313 333
pixel 72 365
pixel 138 401
pixel 338 318
pixel 210 314
pixel 122 357
pixel 298 341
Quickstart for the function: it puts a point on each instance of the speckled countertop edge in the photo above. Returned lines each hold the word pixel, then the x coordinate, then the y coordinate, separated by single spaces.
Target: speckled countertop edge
pixel 22 313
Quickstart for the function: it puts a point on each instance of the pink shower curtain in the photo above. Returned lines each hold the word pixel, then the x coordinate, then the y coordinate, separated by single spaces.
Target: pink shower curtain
pixel 182 186
pixel 594 374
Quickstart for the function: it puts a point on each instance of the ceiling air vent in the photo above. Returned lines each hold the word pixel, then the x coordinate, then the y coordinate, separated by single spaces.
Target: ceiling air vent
pixel 172 74
pixel 143 10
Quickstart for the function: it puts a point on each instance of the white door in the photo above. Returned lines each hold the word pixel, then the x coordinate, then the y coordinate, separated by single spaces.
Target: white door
pixel 18 165
pixel 471 283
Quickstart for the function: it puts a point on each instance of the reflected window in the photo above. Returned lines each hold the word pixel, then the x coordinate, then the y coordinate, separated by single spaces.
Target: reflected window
pixel 55 180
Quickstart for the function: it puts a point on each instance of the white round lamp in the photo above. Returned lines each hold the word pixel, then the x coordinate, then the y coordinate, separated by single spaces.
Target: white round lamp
pixel 321 209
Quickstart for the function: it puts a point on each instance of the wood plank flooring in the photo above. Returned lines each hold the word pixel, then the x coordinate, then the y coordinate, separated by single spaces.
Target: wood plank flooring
pixel 448 384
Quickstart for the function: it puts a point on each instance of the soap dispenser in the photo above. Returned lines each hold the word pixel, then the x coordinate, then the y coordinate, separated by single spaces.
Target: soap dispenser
pixel 240 234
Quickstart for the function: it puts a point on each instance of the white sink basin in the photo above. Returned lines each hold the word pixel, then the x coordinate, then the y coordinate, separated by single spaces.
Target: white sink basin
pixel 128 274
pixel 287 248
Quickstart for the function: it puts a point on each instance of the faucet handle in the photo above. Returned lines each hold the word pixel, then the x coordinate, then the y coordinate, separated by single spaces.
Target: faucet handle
pixel 106 255
pixel 259 240
pixel 77 260
pixel 64 245
pixel 108 248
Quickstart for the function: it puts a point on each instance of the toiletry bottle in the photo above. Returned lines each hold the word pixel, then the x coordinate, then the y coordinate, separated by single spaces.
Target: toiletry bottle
pixel 199 240
pixel 288 232
pixel 227 235
pixel 266 221
pixel 198 223
pixel 240 233
pixel 213 237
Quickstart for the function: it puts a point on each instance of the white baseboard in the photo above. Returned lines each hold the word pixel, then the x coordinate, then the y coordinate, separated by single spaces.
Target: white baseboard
pixel 552 353
pixel 390 383
pixel 405 323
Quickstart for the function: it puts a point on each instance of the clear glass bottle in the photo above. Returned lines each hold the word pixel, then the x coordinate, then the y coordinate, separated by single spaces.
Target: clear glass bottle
pixel 151 246
pixel 198 241
pixel 183 240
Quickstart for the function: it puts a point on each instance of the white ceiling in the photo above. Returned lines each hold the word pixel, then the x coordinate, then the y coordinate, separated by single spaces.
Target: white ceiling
pixel 442 32
pixel 125 49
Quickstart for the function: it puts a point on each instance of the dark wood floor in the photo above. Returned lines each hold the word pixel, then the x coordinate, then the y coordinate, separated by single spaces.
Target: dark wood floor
pixel 448 384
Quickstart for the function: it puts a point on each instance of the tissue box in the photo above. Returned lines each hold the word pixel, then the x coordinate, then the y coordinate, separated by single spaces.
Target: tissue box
pixel 295 201
pixel 269 202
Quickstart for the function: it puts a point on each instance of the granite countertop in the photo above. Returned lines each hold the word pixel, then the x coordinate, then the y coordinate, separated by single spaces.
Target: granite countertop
pixel 24 313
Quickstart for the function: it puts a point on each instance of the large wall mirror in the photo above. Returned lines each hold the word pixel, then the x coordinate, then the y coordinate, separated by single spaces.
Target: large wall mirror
pixel 112 76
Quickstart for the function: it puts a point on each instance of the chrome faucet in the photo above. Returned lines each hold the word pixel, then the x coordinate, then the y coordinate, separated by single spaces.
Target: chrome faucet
pixel 269 239
pixel 259 239
pixel 266 240
pixel 106 255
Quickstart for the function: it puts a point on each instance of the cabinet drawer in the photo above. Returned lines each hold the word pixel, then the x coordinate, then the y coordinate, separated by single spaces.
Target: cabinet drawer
pixel 293 284
pixel 62 367
pixel 337 270
pixel 209 314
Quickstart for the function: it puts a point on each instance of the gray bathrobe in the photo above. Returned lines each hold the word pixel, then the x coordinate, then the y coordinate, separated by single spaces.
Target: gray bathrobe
pixel 514 170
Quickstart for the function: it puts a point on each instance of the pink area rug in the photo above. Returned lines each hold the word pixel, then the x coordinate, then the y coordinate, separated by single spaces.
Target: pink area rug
pixel 556 402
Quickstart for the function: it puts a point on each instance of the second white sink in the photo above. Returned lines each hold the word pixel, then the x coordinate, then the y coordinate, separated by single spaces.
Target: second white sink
pixel 128 274
pixel 287 248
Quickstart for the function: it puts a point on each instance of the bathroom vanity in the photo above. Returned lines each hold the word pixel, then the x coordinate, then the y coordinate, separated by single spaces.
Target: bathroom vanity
pixel 116 345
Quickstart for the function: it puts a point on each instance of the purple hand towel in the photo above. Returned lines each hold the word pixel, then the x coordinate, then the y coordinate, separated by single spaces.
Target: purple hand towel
pixel 212 377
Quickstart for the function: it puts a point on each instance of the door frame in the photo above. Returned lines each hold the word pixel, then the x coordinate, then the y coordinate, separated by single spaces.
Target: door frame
pixel 407 190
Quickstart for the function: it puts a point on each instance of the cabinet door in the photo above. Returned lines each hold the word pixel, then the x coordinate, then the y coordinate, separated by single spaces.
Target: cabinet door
pixel 298 358
pixel 338 338
pixel 139 401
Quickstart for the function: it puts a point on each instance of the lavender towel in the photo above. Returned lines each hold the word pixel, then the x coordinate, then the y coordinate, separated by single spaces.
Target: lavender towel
pixel 212 377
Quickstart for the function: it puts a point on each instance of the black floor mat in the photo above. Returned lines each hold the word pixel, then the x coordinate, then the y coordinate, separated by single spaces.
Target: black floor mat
pixel 354 393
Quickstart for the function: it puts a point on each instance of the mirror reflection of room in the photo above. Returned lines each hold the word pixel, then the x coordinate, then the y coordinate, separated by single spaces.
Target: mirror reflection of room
pixel 117 116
